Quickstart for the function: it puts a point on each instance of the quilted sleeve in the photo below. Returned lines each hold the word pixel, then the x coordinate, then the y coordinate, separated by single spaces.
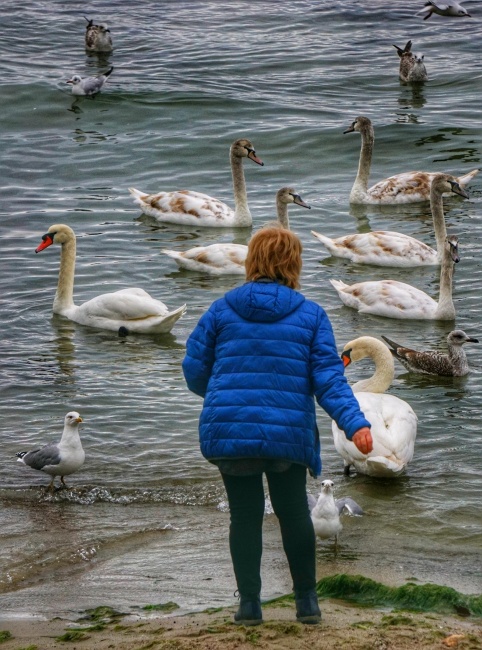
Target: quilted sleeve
pixel 198 362
pixel 330 386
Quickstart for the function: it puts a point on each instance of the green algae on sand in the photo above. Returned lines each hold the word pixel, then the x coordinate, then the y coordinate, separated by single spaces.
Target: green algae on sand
pixel 422 598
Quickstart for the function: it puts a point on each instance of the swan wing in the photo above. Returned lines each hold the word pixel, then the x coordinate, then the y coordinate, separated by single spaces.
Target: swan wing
pixel 388 298
pixel 394 429
pixel 381 248
pixel 184 207
pixel 216 259
pixel 125 305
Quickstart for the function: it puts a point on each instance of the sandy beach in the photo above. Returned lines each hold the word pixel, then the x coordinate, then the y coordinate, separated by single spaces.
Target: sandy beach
pixel 343 626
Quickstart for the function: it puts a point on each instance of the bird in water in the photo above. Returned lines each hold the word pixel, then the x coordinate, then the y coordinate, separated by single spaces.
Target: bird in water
pixel 326 511
pixel 97 37
pixel 88 86
pixel 433 362
pixel 452 8
pixel 412 67
pixel 58 458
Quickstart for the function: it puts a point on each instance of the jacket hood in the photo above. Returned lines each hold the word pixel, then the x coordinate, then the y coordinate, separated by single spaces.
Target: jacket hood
pixel 264 302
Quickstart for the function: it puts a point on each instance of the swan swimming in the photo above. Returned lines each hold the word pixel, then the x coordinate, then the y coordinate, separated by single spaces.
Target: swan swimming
pixel 229 259
pixel 393 421
pixel 128 310
pixel 408 187
pixel 196 209
pixel 386 248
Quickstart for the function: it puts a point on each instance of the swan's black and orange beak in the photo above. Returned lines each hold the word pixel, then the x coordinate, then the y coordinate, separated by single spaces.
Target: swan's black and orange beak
pixel 346 357
pixel 252 155
pixel 47 240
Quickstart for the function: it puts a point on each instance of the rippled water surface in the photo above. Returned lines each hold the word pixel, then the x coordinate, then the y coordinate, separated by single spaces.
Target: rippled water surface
pixel 145 520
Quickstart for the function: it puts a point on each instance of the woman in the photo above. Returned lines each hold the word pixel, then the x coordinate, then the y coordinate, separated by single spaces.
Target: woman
pixel 259 357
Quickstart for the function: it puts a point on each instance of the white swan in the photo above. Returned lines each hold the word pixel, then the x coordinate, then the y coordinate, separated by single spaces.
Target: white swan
pixel 408 187
pixel 394 299
pixel 386 248
pixel 196 209
pixel 229 259
pixel 125 311
pixel 394 424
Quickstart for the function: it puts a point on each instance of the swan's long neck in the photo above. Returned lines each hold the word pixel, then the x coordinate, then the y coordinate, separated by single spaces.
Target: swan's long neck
pixel 436 204
pixel 65 288
pixel 384 371
pixel 360 186
pixel 241 209
pixel 446 309
pixel 282 213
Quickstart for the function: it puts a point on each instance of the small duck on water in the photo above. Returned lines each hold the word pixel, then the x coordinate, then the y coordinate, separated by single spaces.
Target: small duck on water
pixel 432 362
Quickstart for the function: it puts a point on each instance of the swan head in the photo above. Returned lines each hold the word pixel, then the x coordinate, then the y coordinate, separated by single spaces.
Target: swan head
pixel 56 234
pixel 361 124
pixel 446 183
pixel 72 419
pixel 289 195
pixel 459 337
pixel 243 148
pixel 453 248
pixel 363 347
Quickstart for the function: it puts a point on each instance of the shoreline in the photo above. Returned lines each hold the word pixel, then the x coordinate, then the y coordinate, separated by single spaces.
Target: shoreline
pixel 344 625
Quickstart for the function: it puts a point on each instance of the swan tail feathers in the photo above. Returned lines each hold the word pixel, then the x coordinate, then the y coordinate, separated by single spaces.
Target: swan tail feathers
pixel 384 465
pixel 463 180
pixel 138 196
pixel 326 241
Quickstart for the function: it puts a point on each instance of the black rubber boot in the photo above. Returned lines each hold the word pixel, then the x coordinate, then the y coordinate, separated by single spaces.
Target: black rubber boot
pixel 307 608
pixel 249 612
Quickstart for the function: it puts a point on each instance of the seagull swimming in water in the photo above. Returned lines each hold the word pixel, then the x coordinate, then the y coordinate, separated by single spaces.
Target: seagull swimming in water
pixel 450 9
pixel 453 364
pixel 89 85
pixel 58 458
pixel 325 511
pixel 97 37
pixel 412 67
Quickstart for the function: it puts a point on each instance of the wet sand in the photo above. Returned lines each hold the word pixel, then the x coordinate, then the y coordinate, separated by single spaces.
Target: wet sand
pixel 343 626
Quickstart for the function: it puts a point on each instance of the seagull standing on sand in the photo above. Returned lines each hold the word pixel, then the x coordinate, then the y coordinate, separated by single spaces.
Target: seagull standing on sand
pixel 452 8
pixel 453 364
pixel 325 511
pixel 89 85
pixel 58 458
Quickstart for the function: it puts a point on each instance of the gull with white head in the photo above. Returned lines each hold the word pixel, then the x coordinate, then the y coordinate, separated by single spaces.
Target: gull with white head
pixel 326 511
pixel 58 458
pixel 451 8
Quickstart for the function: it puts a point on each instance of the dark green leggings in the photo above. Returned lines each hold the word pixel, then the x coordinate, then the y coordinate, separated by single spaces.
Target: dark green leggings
pixel 246 499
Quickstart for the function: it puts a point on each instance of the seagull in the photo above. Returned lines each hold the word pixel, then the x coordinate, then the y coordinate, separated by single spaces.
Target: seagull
pixel 97 37
pixel 453 364
pixel 325 511
pixel 450 9
pixel 58 458
pixel 89 85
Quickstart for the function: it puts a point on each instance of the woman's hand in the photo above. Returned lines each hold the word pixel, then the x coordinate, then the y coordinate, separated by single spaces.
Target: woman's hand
pixel 363 440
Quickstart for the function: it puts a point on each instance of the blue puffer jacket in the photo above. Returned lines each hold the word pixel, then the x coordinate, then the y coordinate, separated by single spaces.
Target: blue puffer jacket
pixel 258 356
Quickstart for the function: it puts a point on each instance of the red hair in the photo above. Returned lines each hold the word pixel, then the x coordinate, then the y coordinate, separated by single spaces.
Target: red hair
pixel 274 253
